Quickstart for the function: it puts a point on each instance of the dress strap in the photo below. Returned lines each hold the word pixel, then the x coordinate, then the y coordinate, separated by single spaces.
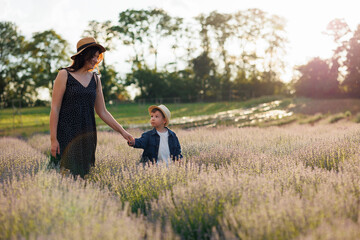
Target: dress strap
pixel 96 78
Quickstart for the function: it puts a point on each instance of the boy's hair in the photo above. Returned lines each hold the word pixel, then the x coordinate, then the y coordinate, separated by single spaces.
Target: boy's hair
pixel 156 109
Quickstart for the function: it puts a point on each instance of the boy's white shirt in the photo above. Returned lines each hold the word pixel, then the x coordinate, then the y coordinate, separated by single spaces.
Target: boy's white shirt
pixel 164 151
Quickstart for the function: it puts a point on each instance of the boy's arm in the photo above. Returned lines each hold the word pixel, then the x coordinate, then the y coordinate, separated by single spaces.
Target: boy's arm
pixel 178 148
pixel 141 142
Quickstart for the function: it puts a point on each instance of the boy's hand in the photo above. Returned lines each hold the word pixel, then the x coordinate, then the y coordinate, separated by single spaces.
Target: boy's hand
pixel 131 143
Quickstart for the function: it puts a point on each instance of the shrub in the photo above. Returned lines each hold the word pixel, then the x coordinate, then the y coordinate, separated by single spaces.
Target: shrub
pixel 336 118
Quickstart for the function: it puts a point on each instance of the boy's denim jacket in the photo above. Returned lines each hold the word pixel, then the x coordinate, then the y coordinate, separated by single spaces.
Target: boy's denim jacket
pixel 150 141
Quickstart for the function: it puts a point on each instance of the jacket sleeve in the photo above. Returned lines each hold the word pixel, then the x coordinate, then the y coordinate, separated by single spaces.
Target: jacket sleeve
pixel 142 141
pixel 178 148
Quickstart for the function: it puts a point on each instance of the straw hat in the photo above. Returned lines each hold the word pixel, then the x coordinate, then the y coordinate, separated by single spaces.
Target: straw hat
pixel 164 110
pixel 85 43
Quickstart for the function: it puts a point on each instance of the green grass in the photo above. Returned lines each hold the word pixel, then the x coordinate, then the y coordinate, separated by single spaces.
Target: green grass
pixel 36 120
pixel 304 111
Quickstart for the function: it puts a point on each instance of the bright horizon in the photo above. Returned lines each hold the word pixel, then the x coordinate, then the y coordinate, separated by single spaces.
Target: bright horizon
pixel 306 21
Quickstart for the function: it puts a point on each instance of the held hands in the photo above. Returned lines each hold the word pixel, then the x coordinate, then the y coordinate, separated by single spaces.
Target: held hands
pixel 131 143
pixel 127 136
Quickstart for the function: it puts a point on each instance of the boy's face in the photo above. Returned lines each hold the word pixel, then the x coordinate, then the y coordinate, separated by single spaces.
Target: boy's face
pixel 157 119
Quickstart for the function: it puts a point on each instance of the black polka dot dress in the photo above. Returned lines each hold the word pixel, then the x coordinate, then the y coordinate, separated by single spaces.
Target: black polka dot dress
pixel 76 131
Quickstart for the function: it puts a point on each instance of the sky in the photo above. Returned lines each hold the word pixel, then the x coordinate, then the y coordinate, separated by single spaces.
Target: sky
pixel 306 20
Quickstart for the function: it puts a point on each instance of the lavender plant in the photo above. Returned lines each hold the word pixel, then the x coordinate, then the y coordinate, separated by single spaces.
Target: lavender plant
pixel 292 182
pixel 49 206
pixel 17 158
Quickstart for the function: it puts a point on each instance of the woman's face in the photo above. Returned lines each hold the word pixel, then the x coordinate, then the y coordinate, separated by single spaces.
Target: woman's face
pixel 92 61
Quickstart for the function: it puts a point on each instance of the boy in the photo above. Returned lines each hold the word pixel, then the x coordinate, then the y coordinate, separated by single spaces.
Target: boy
pixel 160 144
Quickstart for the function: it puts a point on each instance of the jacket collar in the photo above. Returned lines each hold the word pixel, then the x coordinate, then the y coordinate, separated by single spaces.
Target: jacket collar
pixel 153 132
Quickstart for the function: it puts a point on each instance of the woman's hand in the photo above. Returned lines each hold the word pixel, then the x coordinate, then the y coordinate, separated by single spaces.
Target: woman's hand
pixel 127 136
pixel 55 148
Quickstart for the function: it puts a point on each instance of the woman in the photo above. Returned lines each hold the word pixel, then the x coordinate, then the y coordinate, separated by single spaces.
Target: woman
pixel 77 92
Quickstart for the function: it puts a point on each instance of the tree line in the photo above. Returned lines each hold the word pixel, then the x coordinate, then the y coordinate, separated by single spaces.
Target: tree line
pixel 214 56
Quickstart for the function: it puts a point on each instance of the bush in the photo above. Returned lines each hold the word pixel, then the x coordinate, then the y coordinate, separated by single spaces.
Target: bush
pixel 312 119
pixel 347 114
pixel 336 118
pixel 357 118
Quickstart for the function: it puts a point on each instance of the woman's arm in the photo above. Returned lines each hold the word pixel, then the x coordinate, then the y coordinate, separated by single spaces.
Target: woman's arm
pixel 103 113
pixel 57 96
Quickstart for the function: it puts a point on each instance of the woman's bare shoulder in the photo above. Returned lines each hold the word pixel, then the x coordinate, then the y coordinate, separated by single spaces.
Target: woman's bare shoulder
pixel 62 75
pixel 62 72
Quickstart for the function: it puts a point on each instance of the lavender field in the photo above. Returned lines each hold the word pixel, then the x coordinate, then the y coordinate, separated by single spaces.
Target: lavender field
pixel 290 182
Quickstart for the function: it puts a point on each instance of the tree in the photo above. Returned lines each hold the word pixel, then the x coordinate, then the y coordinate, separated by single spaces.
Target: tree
pixel 206 84
pixel 316 80
pixel 351 84
pixel 275 41
pixel 181 85
pixel 11 45
pixel 113 89
pixel 104 33
pixel 220 26
pixel 248 26
pixel 161 26
pixel 133 28
pixel 261 40
pixel 184 44
pixel 338 29
pixel 48 51
pixel 21 87
pixel 145 28
pixel 204 70
pixel 152 84
pixel 204 33
pixel 189 41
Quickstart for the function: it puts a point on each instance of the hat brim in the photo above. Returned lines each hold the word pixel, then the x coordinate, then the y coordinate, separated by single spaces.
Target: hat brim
pixel 102 49
pixel 156 107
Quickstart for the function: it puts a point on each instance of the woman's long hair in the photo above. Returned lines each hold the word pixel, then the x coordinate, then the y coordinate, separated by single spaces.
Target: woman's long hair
pixel 84 56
